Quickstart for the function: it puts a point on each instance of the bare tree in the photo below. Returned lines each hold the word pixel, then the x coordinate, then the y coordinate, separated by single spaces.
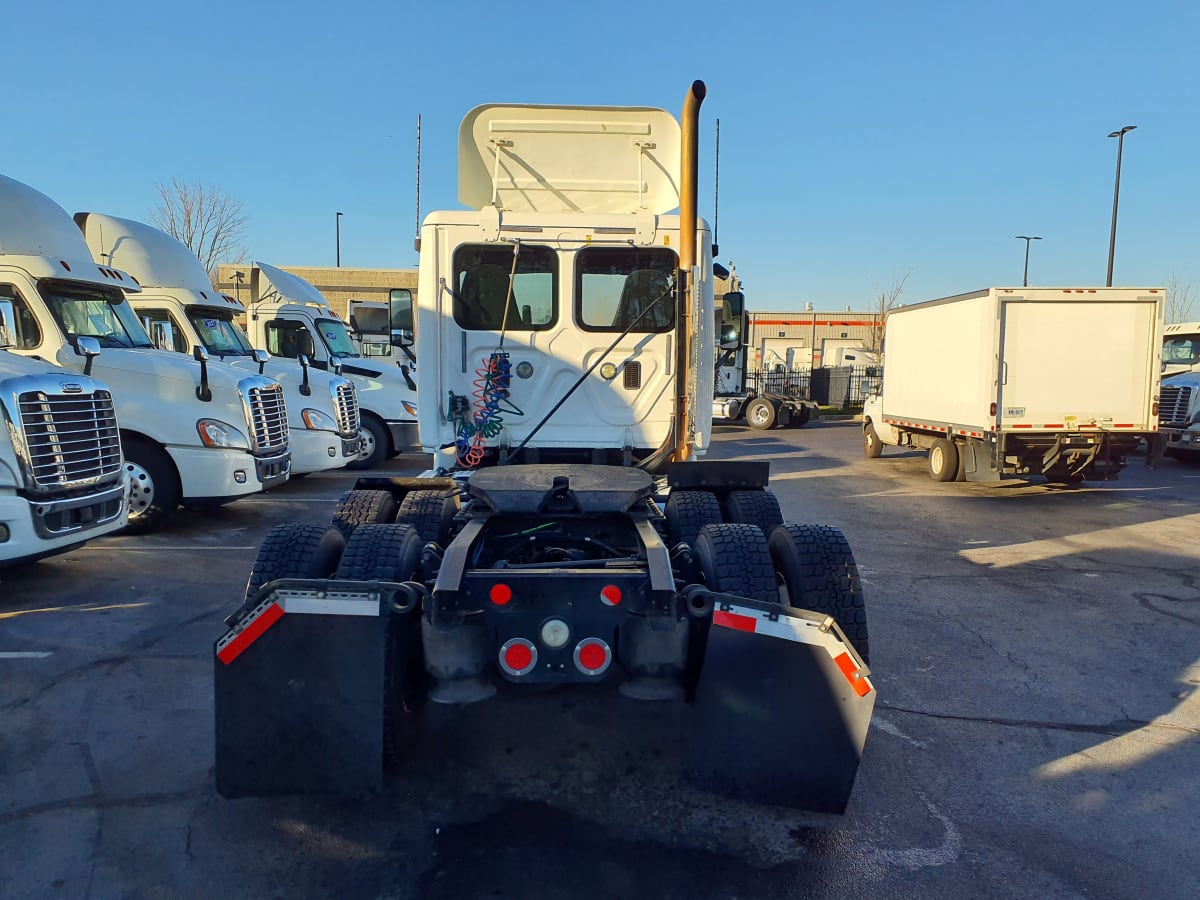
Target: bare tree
pixel 1179 298
pixel 204 217
pixel 886 300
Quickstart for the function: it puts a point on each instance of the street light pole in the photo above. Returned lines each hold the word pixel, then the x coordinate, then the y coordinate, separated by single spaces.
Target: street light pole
pixel 338 220
pixel 1026 239
pixel 1112 238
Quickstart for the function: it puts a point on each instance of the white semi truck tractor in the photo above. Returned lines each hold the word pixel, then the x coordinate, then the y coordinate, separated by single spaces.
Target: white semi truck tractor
pixel 181 311
pixel 569 538
pixel 62 479
pixel 192 431
pixel 288 316
pixel 1179 395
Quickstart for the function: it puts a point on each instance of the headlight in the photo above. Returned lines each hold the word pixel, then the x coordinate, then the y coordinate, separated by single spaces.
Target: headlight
pixel 215 433
pixel 318 421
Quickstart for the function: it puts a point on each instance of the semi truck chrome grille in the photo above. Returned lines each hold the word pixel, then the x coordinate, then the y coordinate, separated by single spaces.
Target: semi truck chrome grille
pixel 268 417
pixel 346 401
pixel 1173 403
pixel 70 440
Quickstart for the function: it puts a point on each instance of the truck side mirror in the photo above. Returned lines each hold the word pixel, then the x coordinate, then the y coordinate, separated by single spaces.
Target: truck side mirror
pixel 203 391
pixel 8 334
pixel 304 343
pixel 162 334
pixel 305 388
pixel 261 357
pixel 89 348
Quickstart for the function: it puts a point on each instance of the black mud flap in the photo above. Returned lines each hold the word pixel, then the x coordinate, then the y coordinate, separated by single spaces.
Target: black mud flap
pixel 781 709
pixel 299 683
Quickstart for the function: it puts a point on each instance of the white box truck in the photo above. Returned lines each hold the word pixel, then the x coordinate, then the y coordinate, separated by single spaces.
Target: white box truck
pixel 1179 396
pixel 981 381
pixel 180 309
pixel 289 316
pixel 62 480
pixel 192 431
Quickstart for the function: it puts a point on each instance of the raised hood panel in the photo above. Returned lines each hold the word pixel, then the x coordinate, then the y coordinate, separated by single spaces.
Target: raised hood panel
pixel 151 256
pixel 598 159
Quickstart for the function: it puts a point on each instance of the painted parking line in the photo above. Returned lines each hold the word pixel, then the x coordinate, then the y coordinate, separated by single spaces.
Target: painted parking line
pixel 24 654
pixel 154 548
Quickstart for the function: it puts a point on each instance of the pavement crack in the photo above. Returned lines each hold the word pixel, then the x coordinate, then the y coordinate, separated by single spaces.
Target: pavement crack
pixel 1115 728
pixel 99 802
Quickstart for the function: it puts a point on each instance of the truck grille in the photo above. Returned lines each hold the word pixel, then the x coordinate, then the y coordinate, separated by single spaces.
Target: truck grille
pixel 346 401
pixel 268 417
pixel 1173 404
pixel 71 440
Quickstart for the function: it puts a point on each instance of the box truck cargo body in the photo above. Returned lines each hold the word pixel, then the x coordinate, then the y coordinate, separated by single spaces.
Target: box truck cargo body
pixel 1061 382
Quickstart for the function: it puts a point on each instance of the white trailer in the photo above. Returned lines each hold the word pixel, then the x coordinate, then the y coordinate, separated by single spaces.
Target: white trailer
pixel 180 309
pixel 288 317
pixel 192 431
pixel 982 382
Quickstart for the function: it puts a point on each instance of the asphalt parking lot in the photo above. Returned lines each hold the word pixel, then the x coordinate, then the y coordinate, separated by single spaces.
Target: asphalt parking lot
pixel 1036 651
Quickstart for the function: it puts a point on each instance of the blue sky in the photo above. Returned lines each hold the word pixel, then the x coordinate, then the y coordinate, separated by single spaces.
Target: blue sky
pixel 858 141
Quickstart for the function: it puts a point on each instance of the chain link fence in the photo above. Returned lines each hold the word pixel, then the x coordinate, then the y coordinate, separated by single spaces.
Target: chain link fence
pixel 843 387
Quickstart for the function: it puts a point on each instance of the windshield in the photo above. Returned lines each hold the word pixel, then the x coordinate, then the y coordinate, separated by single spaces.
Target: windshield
pixel 336 338
pixel 86 311
pixel 1182 350
pixel 218 332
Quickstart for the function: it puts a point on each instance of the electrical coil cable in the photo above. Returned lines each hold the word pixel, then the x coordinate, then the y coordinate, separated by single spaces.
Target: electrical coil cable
pixel 484 420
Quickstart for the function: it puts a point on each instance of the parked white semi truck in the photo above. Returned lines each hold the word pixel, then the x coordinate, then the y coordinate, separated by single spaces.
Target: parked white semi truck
pixel 981 381
pixel 181 311
pixel 1179 396
pixel 565 332
pixel 289 316
pixel 62 479
pixel 192 431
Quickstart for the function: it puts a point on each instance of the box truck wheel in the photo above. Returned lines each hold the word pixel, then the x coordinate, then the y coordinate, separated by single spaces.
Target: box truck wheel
pixel 760 414
pixel 735 559
pixel 430 513
pixel 819 573
pixel 943 460
pixel 753 508
pixel 872 445
pixel 356 508
pixel 377 445
pixel 296 550
pixel 689 511
pixel 154 491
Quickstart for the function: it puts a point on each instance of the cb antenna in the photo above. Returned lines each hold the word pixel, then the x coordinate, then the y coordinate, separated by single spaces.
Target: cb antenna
pixel 717 191
pixel 417 235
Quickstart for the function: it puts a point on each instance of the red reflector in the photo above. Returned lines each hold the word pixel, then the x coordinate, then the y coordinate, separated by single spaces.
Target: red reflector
pixel 992 410
pixel 733 620
pixel 251 633
pixel 500 594
pixel 518 657
pixel 861 686
pixel 610 595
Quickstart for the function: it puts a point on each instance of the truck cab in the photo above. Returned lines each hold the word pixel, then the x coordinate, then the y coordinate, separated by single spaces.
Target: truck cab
pixel 193 431
pixel 547 314
pixel 62 479
pixel 181 311
pixel 1179 393
pixel 289 317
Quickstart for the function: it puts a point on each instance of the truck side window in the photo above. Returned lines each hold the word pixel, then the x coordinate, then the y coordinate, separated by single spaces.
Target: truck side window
pixel 481 288
pixel 179 339
pixel 283 338
pixel 26 333
pixel 618 287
